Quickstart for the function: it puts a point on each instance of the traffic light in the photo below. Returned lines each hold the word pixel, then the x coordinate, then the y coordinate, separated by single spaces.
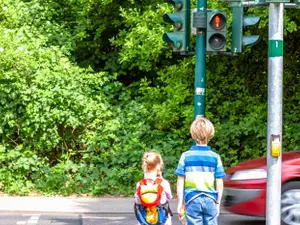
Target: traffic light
pixel 215 31
pixel 180 19
pixel 239 23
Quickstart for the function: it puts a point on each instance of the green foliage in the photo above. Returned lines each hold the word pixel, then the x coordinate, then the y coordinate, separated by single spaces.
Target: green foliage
pixel 140 47
pixel 18 168
pixel 88 86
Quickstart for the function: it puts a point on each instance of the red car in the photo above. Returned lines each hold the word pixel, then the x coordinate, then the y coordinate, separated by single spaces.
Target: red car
pixel 245 188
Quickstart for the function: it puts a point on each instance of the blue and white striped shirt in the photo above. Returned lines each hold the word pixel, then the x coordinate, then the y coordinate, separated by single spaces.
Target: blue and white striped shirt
pixel 200 166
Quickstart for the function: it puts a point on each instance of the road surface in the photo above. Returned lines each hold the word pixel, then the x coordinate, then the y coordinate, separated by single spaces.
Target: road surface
pixel 105 219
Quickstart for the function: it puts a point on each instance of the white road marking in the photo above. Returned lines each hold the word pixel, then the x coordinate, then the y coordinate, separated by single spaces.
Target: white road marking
pixel 103 217
pixel 21 222
pixel 33 219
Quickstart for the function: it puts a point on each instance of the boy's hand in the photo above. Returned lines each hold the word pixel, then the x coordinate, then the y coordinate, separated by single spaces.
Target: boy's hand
pixel 218 209
pixel 181 214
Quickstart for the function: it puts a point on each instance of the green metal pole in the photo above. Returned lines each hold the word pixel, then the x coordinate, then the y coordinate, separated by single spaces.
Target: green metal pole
pixel 200 71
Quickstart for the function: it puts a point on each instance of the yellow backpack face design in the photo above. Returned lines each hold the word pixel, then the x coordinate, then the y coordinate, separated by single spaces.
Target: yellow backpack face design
pixel 149 193
pixel 152 215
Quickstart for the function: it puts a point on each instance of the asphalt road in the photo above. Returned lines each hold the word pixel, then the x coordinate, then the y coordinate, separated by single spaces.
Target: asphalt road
pixel 106 219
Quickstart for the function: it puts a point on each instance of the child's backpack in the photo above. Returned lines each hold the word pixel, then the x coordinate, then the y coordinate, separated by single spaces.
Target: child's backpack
pixel 151 211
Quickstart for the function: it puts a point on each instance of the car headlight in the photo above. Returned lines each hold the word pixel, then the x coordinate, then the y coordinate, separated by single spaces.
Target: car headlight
pixel 253 174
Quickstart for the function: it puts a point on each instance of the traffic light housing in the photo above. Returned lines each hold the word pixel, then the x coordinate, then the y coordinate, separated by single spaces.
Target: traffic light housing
pixel 216 31
pixel 181 20
pixel 239 23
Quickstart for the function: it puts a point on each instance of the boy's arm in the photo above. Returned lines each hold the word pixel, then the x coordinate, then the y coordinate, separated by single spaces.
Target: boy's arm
pixel 219 189
pixel 219 175
pixel 180 192
pixel 180 172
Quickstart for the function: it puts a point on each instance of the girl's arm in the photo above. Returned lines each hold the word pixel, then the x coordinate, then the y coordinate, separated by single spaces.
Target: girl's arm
pixel 167 188
pixel 136 197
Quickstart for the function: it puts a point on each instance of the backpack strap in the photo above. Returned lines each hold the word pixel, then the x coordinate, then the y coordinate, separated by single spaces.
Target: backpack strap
pixel 166 208
pixel 136 208
pixel 160 190
pixel 157 181
pixel 143 182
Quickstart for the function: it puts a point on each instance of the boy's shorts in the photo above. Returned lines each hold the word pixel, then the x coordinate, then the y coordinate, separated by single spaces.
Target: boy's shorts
pixel 202 210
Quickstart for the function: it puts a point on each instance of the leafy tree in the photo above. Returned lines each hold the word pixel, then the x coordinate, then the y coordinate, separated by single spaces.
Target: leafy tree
pixel 88 85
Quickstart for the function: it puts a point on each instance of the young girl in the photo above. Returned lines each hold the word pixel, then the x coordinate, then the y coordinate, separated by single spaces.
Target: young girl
pixel 152 165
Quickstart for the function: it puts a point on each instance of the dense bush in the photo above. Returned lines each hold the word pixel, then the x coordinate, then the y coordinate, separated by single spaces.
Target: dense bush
pixel 87 86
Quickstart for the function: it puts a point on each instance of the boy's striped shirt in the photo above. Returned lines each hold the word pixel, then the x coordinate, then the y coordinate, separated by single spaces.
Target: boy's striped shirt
pixel 200 166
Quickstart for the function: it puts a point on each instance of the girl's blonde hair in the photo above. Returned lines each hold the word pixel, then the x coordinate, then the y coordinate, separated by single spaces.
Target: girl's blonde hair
pixel 202 130
pixel 151 160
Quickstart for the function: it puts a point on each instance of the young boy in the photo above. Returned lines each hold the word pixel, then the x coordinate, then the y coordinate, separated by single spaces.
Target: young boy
pixel 199 182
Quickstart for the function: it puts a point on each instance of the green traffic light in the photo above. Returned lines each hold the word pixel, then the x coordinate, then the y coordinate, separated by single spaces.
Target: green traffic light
pixel 239 23
pixel 217 41
pixel 180 19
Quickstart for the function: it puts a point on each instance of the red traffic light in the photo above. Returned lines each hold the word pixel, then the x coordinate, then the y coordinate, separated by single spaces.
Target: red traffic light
pixel 218 21
pixel 215 31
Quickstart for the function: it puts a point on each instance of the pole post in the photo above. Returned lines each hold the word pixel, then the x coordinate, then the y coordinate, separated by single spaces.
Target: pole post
pixel 200 70
pixel 274 137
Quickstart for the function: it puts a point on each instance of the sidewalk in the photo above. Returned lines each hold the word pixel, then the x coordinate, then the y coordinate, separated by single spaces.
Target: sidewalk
pixel 71 205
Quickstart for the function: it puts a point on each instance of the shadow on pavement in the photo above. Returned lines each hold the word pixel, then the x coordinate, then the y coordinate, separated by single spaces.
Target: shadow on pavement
pixel 61 219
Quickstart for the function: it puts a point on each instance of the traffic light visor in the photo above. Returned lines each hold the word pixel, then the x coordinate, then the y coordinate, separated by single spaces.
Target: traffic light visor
pixel 178 4
pixel 218 21
pixel 176 19
pixel 174 39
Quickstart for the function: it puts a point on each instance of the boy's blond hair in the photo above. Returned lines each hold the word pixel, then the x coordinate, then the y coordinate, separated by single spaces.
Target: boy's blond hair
pixel 151 160
pixel 202 130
